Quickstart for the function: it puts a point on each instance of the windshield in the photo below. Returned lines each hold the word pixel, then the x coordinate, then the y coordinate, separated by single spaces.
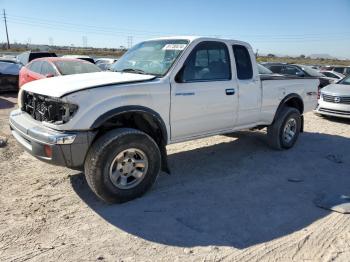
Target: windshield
pixel 151 57
pixel 75 67
pixel 312 72
pixel 345 81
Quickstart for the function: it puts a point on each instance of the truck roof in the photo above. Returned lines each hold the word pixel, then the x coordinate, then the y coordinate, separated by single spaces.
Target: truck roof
pixel 192 38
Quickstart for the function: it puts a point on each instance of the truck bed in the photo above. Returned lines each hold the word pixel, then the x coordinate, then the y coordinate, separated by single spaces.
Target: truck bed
pixel 276 87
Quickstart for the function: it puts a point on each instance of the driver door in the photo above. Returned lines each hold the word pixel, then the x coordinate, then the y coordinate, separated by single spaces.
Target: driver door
pixel 203 93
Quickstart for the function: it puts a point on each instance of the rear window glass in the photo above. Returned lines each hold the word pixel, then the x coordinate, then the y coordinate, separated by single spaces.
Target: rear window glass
pixel 339 69
pixel 291 70
pixel 39 55
pixel 275 68
pixel 35 66
pixel 9 68
pixel 75 67
pixel 345 81
pixel 312 72
pixel 47 69
pixel 328 74
pixel 87 59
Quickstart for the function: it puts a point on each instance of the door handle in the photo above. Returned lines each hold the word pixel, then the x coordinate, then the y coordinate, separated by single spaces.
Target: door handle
pixel 230 91
pixel 185 94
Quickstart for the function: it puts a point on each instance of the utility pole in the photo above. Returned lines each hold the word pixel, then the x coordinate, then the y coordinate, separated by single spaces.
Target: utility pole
pixel 7 34
pixel 85 41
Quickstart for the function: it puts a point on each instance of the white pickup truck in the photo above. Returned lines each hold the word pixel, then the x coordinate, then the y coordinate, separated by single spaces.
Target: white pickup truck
pixel 115 125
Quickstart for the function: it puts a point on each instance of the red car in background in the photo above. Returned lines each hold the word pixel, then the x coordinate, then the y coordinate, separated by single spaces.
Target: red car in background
pixel 54 66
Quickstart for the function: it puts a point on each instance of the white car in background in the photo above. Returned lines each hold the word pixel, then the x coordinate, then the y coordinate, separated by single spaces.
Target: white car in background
pixel 345 70
pixel 335 99
pixel 105 60
pixel 332 74
pixel 105 63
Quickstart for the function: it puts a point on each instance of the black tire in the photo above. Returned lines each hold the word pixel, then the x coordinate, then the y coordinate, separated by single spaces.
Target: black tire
pixel 101 155
pixel 275 132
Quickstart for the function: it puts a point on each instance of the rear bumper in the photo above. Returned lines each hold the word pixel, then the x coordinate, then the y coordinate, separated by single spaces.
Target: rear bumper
pixel 67 148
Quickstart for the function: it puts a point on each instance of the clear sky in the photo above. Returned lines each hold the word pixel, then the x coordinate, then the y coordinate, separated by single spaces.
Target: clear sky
pixel 273 26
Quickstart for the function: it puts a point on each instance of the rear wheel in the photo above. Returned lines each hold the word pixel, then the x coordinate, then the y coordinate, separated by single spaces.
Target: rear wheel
pixel 122 165
pixel 285 130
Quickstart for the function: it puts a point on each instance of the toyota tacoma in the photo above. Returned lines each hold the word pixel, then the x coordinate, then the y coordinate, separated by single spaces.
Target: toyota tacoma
pixel 115 126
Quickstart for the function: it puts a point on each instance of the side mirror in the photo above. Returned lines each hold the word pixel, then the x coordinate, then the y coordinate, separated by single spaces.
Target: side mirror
pixel 49 75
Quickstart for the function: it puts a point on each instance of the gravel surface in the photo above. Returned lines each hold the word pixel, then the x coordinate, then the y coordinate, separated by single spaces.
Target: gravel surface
pixel 229 198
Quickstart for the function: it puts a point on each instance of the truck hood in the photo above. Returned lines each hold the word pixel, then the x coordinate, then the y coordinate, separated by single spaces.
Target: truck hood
pixel 337 89
pixel 63 85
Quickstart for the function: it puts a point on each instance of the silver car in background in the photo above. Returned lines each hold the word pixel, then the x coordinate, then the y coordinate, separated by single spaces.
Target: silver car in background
pixel 335 99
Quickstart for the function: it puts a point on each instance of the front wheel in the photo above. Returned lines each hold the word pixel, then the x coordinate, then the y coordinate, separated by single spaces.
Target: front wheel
pixel 285 130
pixel 122 165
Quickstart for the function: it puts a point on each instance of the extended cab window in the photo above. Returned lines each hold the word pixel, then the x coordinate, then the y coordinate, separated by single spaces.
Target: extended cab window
pixel 209 61
pixel 243 62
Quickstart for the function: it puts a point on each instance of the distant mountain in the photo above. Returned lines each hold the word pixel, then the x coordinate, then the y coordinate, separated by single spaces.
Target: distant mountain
pixel 324 56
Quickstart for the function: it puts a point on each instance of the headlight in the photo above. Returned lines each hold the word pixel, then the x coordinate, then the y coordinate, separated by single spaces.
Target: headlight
pixel 69 111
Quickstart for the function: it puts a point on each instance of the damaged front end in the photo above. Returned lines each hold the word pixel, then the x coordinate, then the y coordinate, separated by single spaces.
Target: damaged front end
pixel 47 109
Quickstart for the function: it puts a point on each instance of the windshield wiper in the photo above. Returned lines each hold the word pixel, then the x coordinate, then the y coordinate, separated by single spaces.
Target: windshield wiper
pixel 133 70
pixel 138 71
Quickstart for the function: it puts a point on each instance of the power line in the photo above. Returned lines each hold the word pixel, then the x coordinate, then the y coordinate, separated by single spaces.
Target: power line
pixel 113 33
pixel 81 26
pixel 141 35
pixel 70 29
pixel 7 34
pixel 153 33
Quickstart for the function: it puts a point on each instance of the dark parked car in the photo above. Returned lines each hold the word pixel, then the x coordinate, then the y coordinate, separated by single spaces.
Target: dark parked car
pixel 263 70
pixel 9 71
pixel 299 71
pixel 26 57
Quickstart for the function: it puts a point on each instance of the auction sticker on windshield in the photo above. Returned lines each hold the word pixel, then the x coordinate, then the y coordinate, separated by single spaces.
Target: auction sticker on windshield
pixel 174 47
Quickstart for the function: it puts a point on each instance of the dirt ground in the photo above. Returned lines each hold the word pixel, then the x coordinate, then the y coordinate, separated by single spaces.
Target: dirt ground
pixel 229 198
